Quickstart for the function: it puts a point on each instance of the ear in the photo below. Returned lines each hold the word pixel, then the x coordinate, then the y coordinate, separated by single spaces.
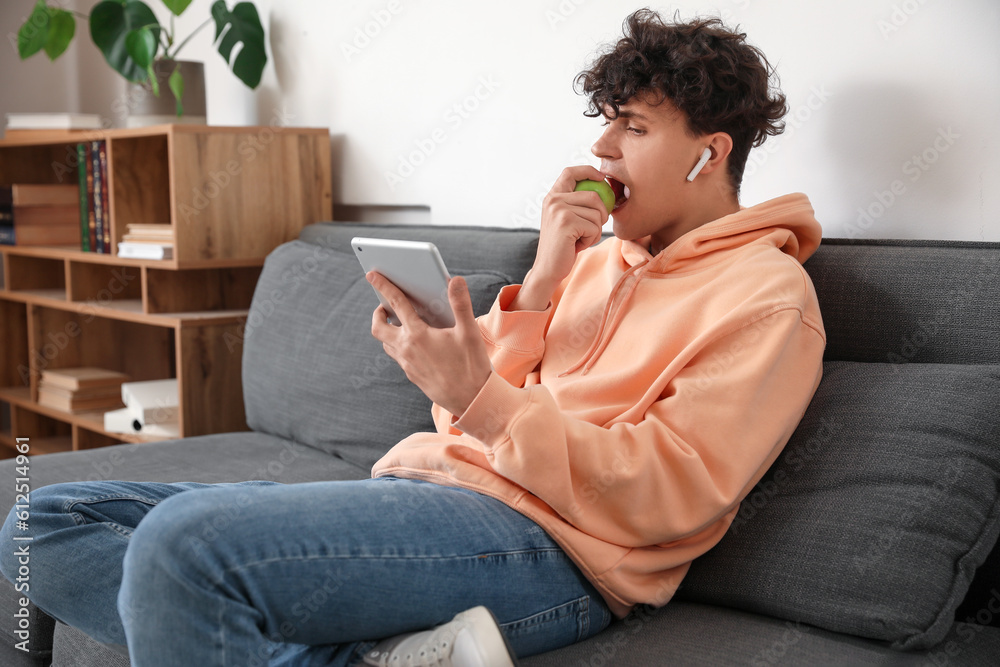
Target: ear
pixel 721 145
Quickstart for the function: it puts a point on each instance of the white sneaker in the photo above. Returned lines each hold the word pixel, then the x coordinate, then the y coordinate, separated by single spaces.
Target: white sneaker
pixel 471 639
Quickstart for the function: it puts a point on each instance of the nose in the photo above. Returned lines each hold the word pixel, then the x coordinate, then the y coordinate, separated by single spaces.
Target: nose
pixel 606 146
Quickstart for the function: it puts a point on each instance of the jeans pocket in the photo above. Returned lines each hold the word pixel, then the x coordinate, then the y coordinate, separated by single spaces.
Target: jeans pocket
pixel 559 626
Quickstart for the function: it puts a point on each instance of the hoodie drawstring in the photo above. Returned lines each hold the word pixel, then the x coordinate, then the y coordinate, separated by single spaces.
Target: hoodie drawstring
pixel 600 340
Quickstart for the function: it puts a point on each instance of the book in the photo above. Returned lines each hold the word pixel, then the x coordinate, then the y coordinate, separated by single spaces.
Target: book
pixel 102 391
pixel 133 250
pixel 47 215
pixel 154 233
pixel 95 159
pixel 74 404
pixel 91 222
pixel 83 199
pixel 53 121
pixel 82 377
pixel 159 240
pixel 105 200
pixel 6 217
pixel 49 234
pixel 152 228
pixel 34 194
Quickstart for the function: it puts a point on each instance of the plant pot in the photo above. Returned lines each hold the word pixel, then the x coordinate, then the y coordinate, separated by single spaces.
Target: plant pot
pixel 145 108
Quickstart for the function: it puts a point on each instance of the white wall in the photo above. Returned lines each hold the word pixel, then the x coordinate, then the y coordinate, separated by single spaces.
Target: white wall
pixel 894 103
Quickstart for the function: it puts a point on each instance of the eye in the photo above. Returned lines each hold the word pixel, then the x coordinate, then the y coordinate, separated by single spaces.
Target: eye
pixel 636 131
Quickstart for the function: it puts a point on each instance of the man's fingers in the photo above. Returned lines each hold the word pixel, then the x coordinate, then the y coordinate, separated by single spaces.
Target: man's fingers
pixel 398 301
pixel 461 301
pixel 570 176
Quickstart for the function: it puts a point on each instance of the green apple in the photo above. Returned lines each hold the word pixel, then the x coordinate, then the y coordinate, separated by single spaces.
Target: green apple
pixel 602 188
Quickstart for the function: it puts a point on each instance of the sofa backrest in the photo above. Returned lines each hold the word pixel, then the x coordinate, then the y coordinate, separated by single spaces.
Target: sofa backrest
pixel 510 251
pixel 909 301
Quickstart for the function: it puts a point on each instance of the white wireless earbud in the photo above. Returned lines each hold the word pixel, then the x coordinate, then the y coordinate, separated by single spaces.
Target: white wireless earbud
pixel 705 155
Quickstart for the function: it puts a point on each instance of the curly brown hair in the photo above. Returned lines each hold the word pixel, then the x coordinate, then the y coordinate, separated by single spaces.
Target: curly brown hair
pixel 705 69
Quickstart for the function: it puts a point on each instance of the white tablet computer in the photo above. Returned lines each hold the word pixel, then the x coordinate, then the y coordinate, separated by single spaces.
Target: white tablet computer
pixel 417 269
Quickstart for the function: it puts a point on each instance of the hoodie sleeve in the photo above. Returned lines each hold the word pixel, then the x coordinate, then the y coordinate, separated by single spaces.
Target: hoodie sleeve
pixel 681 465
pixel 515 340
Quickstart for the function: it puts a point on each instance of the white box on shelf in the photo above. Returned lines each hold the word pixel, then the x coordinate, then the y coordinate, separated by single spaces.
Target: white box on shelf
pixel 151 402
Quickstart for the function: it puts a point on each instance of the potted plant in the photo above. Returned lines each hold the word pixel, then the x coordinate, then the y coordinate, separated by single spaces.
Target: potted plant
pixel 136 46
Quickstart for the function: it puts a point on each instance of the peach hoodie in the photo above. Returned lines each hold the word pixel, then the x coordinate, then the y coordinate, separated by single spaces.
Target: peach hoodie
pixel 631 417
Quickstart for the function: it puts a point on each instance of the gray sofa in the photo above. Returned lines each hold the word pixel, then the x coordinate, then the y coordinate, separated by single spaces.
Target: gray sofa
pixel 869 542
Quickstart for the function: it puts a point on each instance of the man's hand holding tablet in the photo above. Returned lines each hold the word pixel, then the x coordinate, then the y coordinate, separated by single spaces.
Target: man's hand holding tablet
pixel 449 364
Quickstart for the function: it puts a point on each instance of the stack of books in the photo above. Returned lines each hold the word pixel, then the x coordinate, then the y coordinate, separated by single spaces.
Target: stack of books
pixel 147 242
pixel 81 389
pixel 32 214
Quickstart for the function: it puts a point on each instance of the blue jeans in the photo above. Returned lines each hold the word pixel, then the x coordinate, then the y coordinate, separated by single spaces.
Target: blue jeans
pixel 262 573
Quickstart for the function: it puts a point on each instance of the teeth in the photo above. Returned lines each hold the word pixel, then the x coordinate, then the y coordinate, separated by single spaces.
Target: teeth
pixel 628 193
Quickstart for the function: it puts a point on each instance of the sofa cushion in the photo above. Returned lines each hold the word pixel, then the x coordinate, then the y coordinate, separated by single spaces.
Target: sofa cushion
pixel 875 517
pixel 686 633
pixel 313 373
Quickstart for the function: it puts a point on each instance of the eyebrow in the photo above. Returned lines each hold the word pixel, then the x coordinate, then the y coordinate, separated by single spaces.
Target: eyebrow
pixel 624 113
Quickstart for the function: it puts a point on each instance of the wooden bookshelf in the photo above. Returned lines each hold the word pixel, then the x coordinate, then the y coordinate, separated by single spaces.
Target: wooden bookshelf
pixel 230 196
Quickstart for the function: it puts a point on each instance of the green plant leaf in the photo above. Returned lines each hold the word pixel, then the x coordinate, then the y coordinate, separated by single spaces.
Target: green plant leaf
pixel 110 23
pixel 62 27
pixel 34 33
pixel 176 83
pixel 243 27
pixel 177 7
pixel 154 82
pixel 141 47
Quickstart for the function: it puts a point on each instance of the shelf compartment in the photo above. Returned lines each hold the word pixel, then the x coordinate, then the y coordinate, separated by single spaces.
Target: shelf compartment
pixel 139 183
pixel 210 379
pixel 66 339
pixel 45 434
pixel 14 366
pixel 51 163
pixel 194 290
pixel 36 275
pixel 89 423
pixel 103 285
pixel 6 430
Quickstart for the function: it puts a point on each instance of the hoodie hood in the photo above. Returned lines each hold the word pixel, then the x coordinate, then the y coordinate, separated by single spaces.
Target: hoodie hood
pixel 787 223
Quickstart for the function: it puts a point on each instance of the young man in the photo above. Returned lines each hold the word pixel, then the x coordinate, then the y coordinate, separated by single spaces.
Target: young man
pixel 596 430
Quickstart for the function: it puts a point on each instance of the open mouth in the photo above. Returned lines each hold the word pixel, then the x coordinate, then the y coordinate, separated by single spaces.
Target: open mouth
pixel 621 191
